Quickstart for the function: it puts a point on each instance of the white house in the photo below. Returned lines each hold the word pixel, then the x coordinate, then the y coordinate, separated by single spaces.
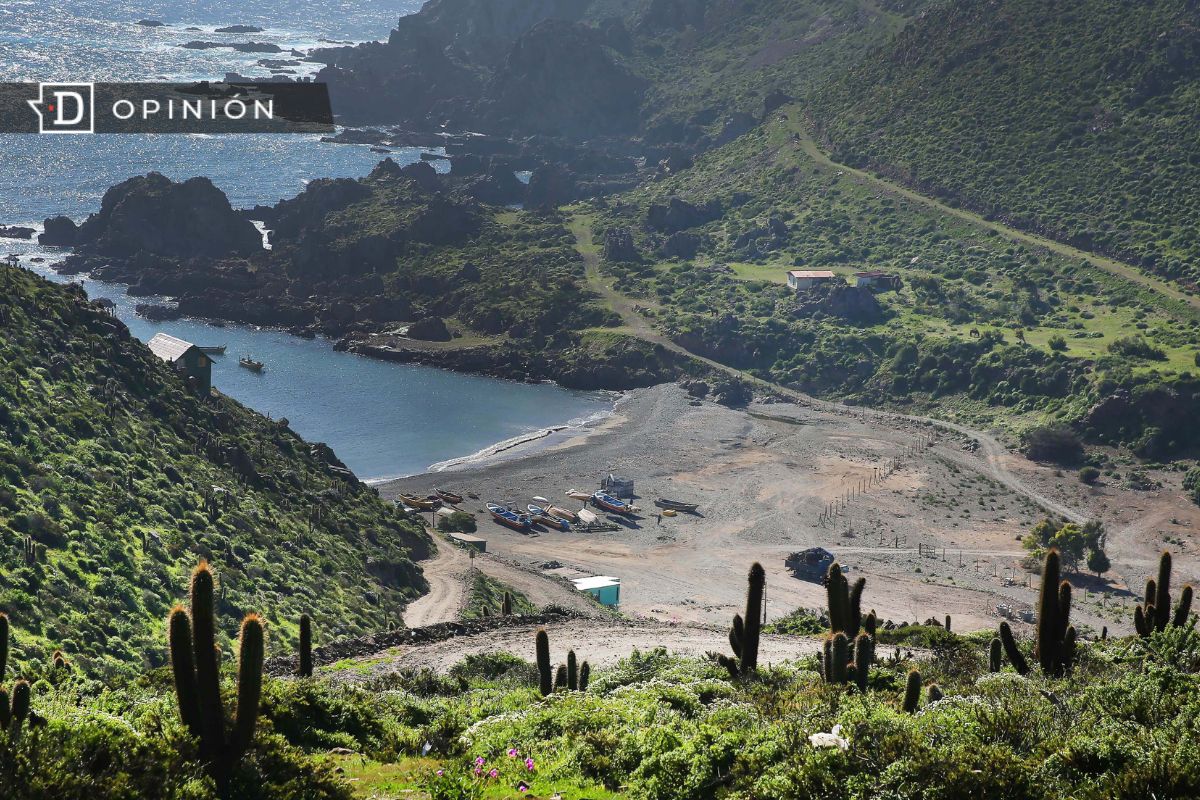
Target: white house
pixel 800 279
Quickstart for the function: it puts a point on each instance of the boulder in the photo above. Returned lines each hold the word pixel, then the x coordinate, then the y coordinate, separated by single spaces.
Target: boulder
pixel 59 231
pixel 619 246
pixel 550 186
pixel 677 215
pixel 681 245
pixel 16 232
pixel 430 329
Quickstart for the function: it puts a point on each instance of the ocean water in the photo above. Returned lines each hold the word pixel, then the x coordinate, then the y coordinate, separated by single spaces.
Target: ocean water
pixel 383 420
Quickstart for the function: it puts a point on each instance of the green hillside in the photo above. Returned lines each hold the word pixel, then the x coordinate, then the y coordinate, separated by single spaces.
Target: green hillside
pixel 115 480
pixel 1077 120
pixel 1008 332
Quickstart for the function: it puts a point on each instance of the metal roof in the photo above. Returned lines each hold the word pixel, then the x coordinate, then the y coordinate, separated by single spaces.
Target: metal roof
pixel 595 582
pixel 168 348
pixel 811 273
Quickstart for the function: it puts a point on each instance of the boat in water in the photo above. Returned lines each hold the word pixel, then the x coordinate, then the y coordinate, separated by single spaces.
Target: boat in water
pixel 508 518
pixel 212 349
pixel 448 496
pixel 539 514
pixel 610 503
pixel 251 364
pixel 676 505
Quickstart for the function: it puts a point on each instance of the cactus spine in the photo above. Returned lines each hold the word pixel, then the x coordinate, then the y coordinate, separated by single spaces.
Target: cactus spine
pixel 585 673
pixel 306 663
pixel 195 666
pixel 1155 612
pixel 545 677
pixel 1055 635
pixel 912 692
pixel 995 655
pixel 560 677
pixel 1015 657
pixel 744 634
pixel 864 654
pixel 572 671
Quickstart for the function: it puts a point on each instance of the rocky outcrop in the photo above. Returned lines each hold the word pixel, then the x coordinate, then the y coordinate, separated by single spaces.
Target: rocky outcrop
pixel 16 232
pixel 59 231
pixel 851 303
pixel 681 245
pixel 678 214
pixel 156 216
pixel 550 186
pixel 619 246
pixel 429 329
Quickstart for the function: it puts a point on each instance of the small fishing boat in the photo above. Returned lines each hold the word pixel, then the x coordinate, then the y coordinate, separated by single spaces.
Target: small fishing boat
pixel 539 514
pixel 588 517
pixel 449 496
pixel 610 503
pixel 508 517
pixel 421 503
pixel 559 511
pixel 213 349
pixel 676 505
pixel 575 494
pixel 251 364
pixel 669 512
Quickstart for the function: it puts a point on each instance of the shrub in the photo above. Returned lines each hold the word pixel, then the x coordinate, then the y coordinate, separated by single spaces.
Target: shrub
pixel 1089 475
pixel 1055 443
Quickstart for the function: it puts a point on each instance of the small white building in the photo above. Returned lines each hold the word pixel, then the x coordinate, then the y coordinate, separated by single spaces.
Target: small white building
pixel 605 588
pixel 801 279
pixel 877 279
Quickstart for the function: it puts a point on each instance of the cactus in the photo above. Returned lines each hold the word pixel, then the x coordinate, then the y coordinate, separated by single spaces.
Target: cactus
pixel 560 677
pixel 744 634
pixel 934 693
pixel 585 673
pixel 864 654
pixel 3 644
pixel 1155 612
pixel 912 692
pixel 947 622
pixel 20 706
pixel 572 671
pixel 1015 657
pixel 1055 635
pixel 871 623
pixel 545 677
pixel 59 661
pixel 506 604
pixel 995 655
pixel 845 602
pixel 5 709
pixel 195 666
pixel 306 663
pixel 839 650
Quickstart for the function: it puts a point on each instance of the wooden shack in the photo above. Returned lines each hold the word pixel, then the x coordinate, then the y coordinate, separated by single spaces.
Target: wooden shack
pixel 187 360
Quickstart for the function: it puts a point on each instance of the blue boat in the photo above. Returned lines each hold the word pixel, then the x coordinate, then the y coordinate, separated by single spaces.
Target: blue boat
pixel 508 517
pixel 610 503
pixel 539 514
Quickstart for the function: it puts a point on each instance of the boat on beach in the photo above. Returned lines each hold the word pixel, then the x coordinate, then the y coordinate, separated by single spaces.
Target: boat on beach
pixel 212 349
pixel 610 503
pixel 676 505
pixel 575 494
pixel 448 496
pixel 539 514
pixel 508 518
pixel 559 511
pixel 421 503
pixel 251 364
pixel 588 517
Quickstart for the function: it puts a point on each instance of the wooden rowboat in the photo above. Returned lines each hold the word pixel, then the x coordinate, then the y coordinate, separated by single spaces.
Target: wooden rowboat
pixel 676 505
pixel 539 514
pixel 422 503
pixel 610 503
pixel 450 497
pixel 575 494
pixel 251 364
pixel 559 511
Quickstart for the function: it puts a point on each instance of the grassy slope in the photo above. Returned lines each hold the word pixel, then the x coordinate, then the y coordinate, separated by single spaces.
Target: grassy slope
pixel 106 461
pixel 959 276
pixel 1077 120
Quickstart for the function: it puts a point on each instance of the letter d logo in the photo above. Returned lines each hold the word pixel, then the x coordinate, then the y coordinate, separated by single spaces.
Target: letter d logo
pixel 65 108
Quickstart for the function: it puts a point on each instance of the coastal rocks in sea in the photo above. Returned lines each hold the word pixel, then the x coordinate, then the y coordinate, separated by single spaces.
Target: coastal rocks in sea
pixel 150 23
pixel 429 329
pixel 156 312
pixel 16 232
pixel 241 47
pixel 678 214
pixel 59 231
pixel 239 29
pixel 681 244
pixel 153 215
pixel 619 246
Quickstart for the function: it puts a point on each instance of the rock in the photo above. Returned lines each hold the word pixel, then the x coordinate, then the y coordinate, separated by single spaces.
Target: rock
pixel 774 100
pixel 152 215
pixel 466 164
pixel 423 174
pixel 550 186
pixel 619 246
pixel 430 329
pixel 851 303
pixel 678 214
pixel 468 274
pixel 59 231
pixel 681 245
pixel 735 125
pixel 156 312
pixel 240 29
pixel 150 23
pixel 16 232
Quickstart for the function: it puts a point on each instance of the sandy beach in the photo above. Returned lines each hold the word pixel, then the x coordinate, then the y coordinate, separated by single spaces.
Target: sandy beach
pixel 932 534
